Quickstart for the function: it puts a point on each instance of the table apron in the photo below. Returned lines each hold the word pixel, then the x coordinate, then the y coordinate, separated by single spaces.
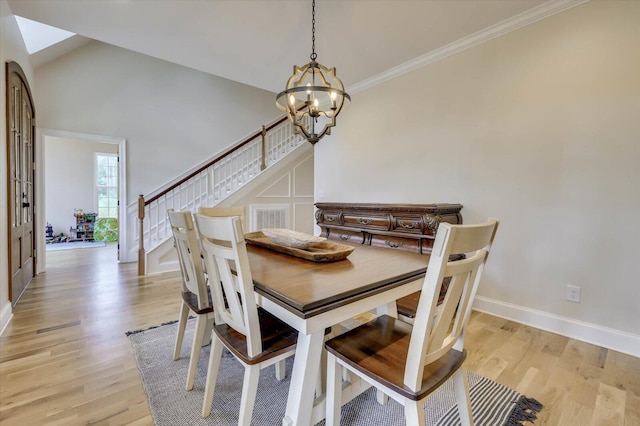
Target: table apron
pixel 341 313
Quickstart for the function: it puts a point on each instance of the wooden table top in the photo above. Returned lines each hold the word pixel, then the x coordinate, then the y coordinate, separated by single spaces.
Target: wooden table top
pixel 309 288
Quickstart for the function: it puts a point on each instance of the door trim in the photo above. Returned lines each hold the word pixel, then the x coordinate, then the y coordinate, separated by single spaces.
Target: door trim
pixel 41 134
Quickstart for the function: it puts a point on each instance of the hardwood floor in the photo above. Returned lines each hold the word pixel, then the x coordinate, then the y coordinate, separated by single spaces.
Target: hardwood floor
pixel 65 360
pixel 578 383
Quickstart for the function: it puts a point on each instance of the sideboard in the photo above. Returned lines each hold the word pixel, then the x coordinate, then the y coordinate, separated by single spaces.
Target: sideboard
pixel 410 227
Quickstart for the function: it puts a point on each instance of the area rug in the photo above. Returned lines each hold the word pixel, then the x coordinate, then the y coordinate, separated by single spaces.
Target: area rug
pixel 74 245
pixel 171 405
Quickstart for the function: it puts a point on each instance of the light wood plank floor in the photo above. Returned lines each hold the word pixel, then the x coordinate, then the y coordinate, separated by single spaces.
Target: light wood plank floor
pixel 65 360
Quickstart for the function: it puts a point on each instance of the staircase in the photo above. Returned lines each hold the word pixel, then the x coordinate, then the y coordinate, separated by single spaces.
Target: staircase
pixel 208 185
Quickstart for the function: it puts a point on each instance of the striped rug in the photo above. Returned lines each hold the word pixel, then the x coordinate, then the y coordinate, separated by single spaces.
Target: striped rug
pixel 163 379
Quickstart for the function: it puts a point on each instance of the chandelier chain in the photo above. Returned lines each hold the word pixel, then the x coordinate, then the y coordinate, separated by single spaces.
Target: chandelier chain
pixel 313 55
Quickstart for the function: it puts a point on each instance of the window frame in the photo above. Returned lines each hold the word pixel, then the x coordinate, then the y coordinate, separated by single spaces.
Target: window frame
pixel 111 208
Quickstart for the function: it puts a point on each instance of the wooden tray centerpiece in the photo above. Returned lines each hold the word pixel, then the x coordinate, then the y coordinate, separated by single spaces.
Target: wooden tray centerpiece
pixel 298 244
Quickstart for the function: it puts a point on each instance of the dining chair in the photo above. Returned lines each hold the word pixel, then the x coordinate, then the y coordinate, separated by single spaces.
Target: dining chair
pixel 256 338
pixel 240 211
pixel 196 297
pixel 408 362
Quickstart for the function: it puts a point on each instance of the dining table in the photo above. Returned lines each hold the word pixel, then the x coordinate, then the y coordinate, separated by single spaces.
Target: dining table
pixel 314 296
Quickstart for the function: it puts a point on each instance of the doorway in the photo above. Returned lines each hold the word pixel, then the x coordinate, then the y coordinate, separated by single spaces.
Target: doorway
pixel 70 185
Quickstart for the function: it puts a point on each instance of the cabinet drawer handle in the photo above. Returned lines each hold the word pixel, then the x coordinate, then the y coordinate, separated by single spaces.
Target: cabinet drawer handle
pixel 344 237
pixel 330 218
pixel 411 225
pixel 393 244
pixel 363 221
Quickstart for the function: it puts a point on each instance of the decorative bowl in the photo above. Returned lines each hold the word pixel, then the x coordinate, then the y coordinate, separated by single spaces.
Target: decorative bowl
pixel 289 238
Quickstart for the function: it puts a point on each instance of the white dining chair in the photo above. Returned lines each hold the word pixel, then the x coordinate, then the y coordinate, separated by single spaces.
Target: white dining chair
pixel 195 295
pixel 256 338
pixel 240 211
pixel 408 362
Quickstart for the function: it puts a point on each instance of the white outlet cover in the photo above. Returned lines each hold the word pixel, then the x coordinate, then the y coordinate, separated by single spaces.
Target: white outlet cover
pixel 573 293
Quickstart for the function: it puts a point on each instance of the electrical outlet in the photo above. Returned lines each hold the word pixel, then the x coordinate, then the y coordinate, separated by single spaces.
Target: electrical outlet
pixel 573 293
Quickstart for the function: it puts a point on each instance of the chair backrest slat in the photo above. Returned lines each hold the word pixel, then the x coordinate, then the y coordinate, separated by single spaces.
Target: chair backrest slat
pixel 453 307
pixel 225 252
pixel 476 235
pixel 437 329
pixel 189 255
pixel 227 212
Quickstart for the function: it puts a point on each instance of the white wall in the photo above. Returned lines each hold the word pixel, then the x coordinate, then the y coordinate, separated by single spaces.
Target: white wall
pixel 172 117
pixel 11 49
pixel 539 128
pixel 70 179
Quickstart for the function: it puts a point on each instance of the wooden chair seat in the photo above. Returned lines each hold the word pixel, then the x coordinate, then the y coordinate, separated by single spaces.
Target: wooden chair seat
pixel 191 299
pixel 379 348
pixel 408 305
pixel 277 338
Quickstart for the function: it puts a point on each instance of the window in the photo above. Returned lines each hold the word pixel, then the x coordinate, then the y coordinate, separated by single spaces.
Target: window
pixel 107 184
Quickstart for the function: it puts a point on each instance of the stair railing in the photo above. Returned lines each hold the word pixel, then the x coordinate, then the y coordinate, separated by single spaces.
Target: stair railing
pixel 211 183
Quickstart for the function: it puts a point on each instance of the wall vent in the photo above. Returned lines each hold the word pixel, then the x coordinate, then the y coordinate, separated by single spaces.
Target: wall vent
pixel 269 216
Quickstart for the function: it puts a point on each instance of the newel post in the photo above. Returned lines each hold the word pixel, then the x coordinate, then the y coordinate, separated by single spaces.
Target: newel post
pixel 263 164
pixel 141 265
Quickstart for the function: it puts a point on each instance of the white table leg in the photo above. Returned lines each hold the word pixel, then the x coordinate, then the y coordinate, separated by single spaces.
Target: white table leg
pixel 390 309
pixel 304 375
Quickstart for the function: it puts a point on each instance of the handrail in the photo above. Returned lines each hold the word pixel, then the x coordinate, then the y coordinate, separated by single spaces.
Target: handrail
pixel 214 160
pixel 212 182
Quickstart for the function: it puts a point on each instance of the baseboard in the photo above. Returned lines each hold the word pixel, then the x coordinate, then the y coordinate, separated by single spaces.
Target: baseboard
pixel 163 267
pixel 610 338
pixel 5 317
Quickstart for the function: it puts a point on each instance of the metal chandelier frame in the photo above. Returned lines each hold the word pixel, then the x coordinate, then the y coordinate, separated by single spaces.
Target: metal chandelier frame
pixel 314 95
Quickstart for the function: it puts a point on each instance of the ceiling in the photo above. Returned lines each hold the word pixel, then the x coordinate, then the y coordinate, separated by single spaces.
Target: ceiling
pixel 257 42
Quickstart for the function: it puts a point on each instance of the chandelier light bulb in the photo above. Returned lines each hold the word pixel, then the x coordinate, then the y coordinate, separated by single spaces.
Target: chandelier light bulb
pixel 315 110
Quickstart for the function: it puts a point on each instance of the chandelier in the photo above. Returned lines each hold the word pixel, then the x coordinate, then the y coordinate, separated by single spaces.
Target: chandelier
pixel 314 95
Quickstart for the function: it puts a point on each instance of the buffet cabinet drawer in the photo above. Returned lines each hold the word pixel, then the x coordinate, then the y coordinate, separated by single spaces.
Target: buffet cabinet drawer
pixel 329 218
pixel 382 222
pixel 408 224
pixel 346 236
pixel 405 244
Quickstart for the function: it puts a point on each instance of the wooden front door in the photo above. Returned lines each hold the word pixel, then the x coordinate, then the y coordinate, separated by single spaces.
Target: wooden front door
pixel 21 170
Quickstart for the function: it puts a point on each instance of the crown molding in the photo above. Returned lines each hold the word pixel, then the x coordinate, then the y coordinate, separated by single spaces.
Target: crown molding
pixel 523 19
